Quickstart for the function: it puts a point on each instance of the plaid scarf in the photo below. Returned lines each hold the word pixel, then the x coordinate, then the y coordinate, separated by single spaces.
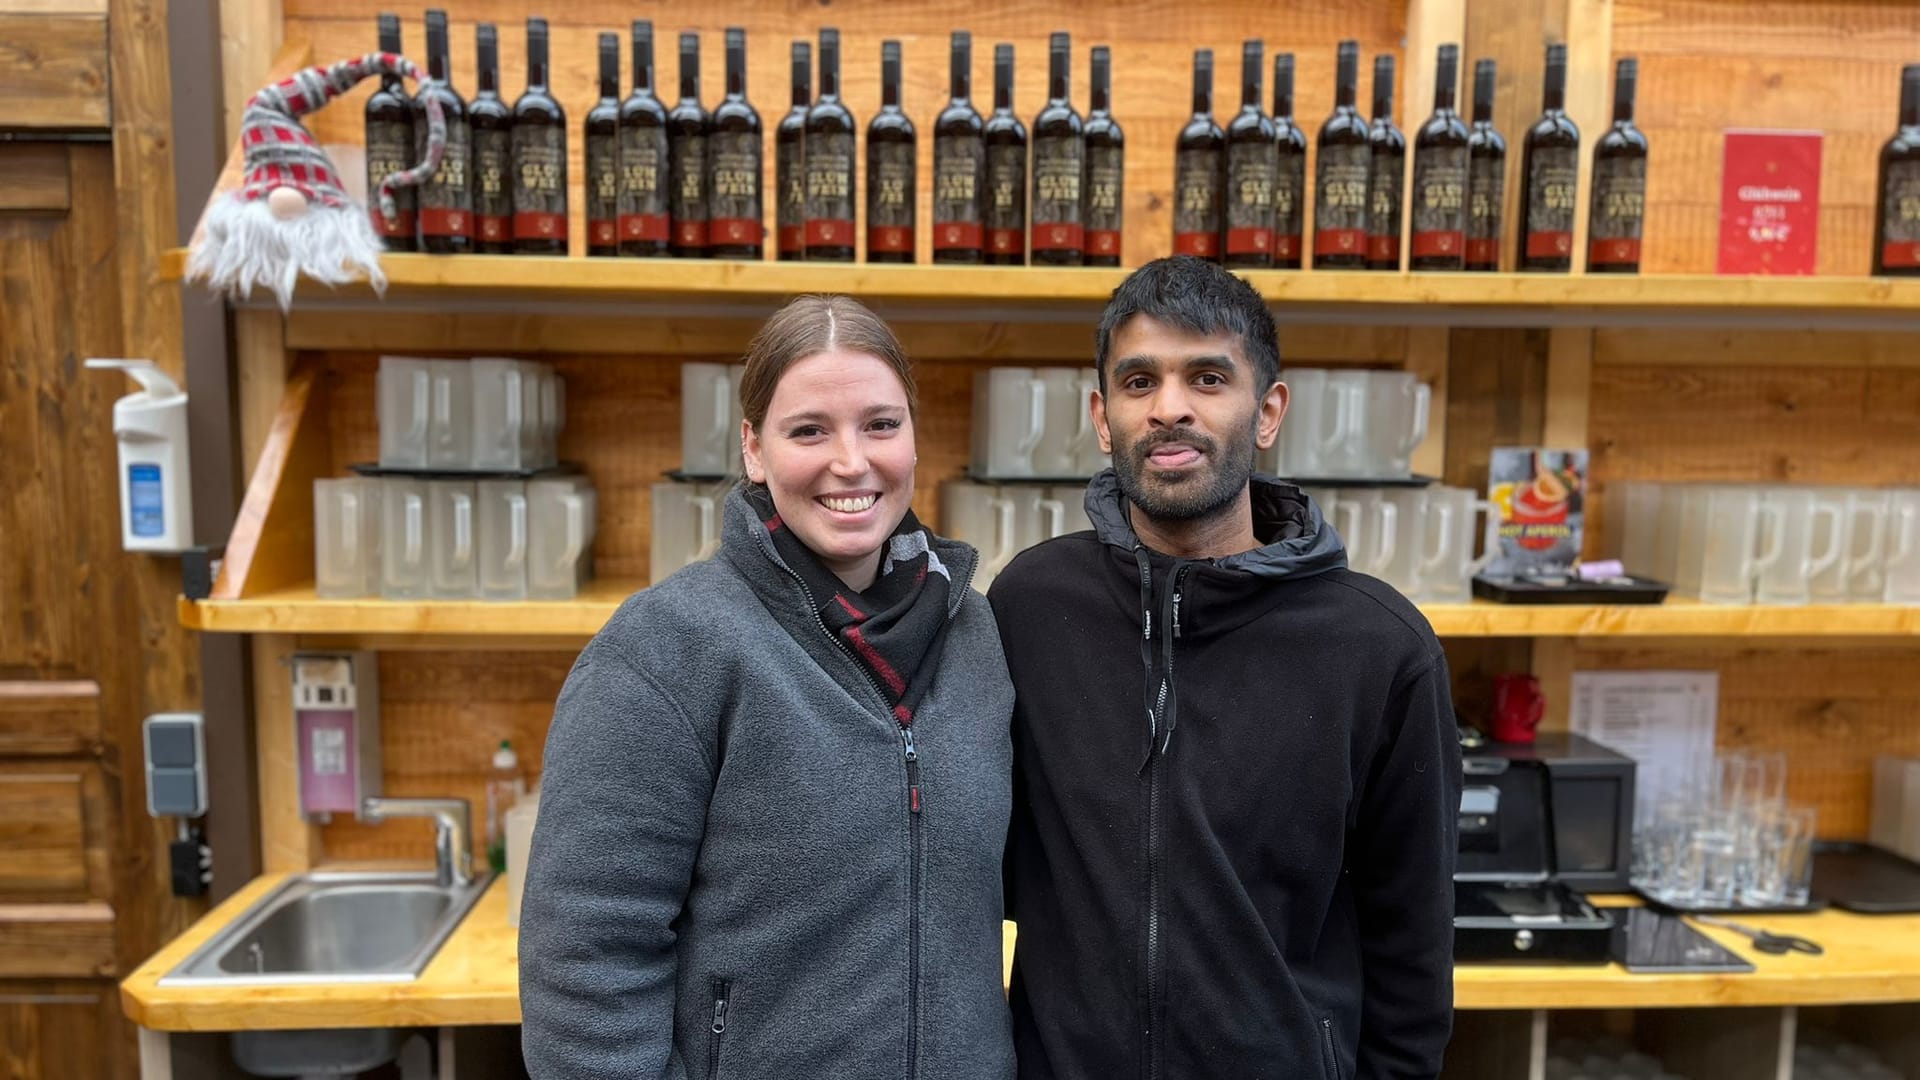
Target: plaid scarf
pixel 896 628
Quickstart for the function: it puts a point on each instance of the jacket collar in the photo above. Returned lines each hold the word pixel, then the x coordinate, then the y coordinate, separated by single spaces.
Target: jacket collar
pixel 1296 540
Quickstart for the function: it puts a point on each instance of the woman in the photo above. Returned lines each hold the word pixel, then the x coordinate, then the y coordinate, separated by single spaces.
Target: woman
pixel 777 783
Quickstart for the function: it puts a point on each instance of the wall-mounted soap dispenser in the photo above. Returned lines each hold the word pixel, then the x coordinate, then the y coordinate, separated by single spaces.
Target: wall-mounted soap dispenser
pixel 156 489
pixel 336 715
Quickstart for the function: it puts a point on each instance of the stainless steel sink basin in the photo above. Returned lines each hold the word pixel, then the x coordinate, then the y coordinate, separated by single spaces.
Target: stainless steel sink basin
pixel 333 927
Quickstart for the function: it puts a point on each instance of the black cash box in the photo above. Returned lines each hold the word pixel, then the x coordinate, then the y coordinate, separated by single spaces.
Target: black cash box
pixel 1540 824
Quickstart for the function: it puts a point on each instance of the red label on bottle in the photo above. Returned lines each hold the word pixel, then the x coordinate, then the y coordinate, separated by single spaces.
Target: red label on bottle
pixel 1203 245
pixel 1286 246
pixel 890 239
pixel 402 224
pixel 1340 242
pixel 603 232
pixel 690 234
pixel 1549 245
pixel 736 231
pixel 1006 242
pixel 1900 255
pixel 1103 242
pixel 1249 241
pixel 1620 252
pixel 536 225
pixel 1383 249
pixel 1484 251
pixel 792 239
pixel 1436 243
pixel 493 229
pixel 441 222
pixel 1058 236
pixel 645 227
pixel 956 236
pixel 829 232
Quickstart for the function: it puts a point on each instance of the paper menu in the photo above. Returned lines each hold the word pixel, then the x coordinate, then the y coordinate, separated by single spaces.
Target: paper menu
pixel 1663 720
pixel 1770 202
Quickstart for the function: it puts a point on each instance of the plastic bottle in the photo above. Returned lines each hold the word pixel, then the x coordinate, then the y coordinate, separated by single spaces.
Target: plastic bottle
pixel 505 786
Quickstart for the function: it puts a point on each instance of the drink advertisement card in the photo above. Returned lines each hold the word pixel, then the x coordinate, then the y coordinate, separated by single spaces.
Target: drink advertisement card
pixel 1540 495
pixel 1770 202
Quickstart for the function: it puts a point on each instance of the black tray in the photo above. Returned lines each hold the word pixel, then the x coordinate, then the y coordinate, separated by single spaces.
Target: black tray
pixel 1031 481
pixel 1813 905
pixel 373 469
pixel 680 477
pixel 1414 481
pixel 1866 879
pixel 1648 941
pixel 1571 590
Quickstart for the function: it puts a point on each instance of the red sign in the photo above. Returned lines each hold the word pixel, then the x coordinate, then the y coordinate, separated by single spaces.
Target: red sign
pixel 1770 202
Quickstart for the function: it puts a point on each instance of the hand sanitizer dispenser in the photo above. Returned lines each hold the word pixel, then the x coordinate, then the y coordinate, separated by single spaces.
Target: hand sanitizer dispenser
pixel 156 492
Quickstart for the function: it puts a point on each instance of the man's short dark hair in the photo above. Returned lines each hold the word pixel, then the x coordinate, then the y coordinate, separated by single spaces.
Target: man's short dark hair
pixel 1196 295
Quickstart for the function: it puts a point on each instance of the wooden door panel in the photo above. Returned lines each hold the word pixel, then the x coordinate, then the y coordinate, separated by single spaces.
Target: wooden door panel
pixel 43 940
pixel 50 1030
pixel 43 831
pixel 51 718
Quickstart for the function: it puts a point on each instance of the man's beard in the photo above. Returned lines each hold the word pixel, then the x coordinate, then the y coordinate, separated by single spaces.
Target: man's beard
pixel 1197 496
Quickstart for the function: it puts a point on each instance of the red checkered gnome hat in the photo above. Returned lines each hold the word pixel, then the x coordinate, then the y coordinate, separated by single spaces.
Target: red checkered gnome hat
pixel 292 216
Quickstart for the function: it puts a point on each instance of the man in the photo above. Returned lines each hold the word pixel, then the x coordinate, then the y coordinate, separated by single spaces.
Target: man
pixel 1237 774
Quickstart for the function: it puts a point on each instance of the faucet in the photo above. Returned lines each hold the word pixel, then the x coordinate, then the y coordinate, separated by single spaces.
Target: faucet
pixel 452 832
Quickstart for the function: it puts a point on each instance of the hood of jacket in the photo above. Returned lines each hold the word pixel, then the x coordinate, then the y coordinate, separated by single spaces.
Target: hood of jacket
pixel 1295 540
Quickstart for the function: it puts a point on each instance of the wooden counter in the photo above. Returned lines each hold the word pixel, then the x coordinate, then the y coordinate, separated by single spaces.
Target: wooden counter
pixel 474 978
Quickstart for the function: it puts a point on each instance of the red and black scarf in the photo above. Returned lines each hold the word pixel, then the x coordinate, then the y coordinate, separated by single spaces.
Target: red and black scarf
pixel 896 627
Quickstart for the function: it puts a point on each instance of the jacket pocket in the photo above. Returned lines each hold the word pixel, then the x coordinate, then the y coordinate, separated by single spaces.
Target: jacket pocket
pixel 722 990
pixel 1329 1055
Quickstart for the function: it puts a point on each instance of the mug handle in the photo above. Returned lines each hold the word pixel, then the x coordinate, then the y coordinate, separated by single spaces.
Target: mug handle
pixel 1758 566
pixel 413 529
pixel 709 537
pixel 1349 511
pixel 1825 562
pixel 422 398
pixel 1422 401
pixel 576 527
pixel 516 530
pixel 1055 514
pixel 1868 566
pixel 1436 562
pixel 462 529
pixel 1389 525
pixel 1003 546
pixel 1489 537
pixel 1337 396
pixel 1036 417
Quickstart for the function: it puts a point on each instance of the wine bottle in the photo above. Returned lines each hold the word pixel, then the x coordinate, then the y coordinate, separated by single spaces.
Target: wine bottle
pixel 734 165
pixel 1386 175
pixel 1059 164
pixel 830 163
pixel 1344 160
pixel 1105 187
pixel 1440 165
pixel 603 155
pixel 959 163
pixel 446 200
pixel 891 169
pixel 646 220
pixel 1006 196
pixel 1550 173
pixel 790 160
pixel 687 154
pixel 492 134
pixel 1486 175
pixel 1197 168
pixel 539 157
pixel 1289 170
pixel 390 148
pixel 1618 214
pixel 1250 161
pixel 1896 217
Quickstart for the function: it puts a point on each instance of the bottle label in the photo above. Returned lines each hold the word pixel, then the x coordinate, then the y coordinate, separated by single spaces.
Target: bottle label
pixel 687 176
pixel 146 501
pixel 1618 212
pixel 446 200
pixel 1553 180
pixel 1440 203
pixel 890 195
pixel 1106 190
pixel 1196 203
pixel 790 209
pixel 390 150
pixel 959 174
pixel 603 190
pixel 1385 182
pixel 644 213
pixel 1340 203
pixel 1007 200
pixel 539 183
pixel 830 190
pixel 1289 199
pixel 1900 242
pixel 1059 165
pixel 734 167
pixel 1487 202
pixel 1250 168
pixel 492 201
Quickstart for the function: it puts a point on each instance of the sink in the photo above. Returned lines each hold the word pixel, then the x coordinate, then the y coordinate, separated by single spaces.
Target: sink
pixel 331 927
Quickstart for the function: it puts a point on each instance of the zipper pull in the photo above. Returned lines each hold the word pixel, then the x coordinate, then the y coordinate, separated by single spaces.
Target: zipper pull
pixel 719 1016
pixel 913 770
pixel 1176 614
pixel 906 736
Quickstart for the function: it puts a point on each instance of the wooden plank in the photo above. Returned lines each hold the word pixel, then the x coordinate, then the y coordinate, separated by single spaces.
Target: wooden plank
pixel 54 940
pixel 250 34
pixel 53 72
pixel 272 540
pixel 1427 359
pixel 43 831
pixel 1569 386
pixel 51 1028
pixel 1732 347
pixel 33 176
pixel 287 841
pixel 1589 38
pixel 53 7
pixel 49 717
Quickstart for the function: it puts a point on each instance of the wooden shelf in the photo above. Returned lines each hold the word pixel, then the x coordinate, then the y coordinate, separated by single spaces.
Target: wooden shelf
pixel 296 610
pixel 504 283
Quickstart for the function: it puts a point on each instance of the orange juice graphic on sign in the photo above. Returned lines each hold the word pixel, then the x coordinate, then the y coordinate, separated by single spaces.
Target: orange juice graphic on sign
pixel 1540 494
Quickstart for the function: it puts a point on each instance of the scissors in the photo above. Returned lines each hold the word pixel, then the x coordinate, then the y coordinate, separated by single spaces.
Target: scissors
pixel 1766 941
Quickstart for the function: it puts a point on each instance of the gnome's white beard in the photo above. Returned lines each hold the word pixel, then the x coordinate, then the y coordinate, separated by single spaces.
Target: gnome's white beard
pixel 244 245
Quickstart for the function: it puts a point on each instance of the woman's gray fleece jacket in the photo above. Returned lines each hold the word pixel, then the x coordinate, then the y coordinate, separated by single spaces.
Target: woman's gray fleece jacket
pixel 727 879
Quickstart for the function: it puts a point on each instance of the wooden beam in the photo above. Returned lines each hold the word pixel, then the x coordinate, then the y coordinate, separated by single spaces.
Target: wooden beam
pixel 271 545
pixel 53 72
pixel 287 841
pixel 1589 40
pixel 250 36
pixel 33 176
pixel 1427 358
pixel 1569 386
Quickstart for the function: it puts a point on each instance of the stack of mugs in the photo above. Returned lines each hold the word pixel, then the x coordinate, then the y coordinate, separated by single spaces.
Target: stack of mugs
pixel 460 508
pixel 686 508
pixel 1349 425
pixel 1420 540
pixel 1002 520
pixel 1771 544
pixel 1033 424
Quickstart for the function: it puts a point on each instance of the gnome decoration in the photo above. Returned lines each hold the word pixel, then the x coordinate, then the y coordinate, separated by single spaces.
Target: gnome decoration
pixel 291 216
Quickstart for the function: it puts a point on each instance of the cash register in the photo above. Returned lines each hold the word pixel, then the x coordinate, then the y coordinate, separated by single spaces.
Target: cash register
pixel 1541 824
